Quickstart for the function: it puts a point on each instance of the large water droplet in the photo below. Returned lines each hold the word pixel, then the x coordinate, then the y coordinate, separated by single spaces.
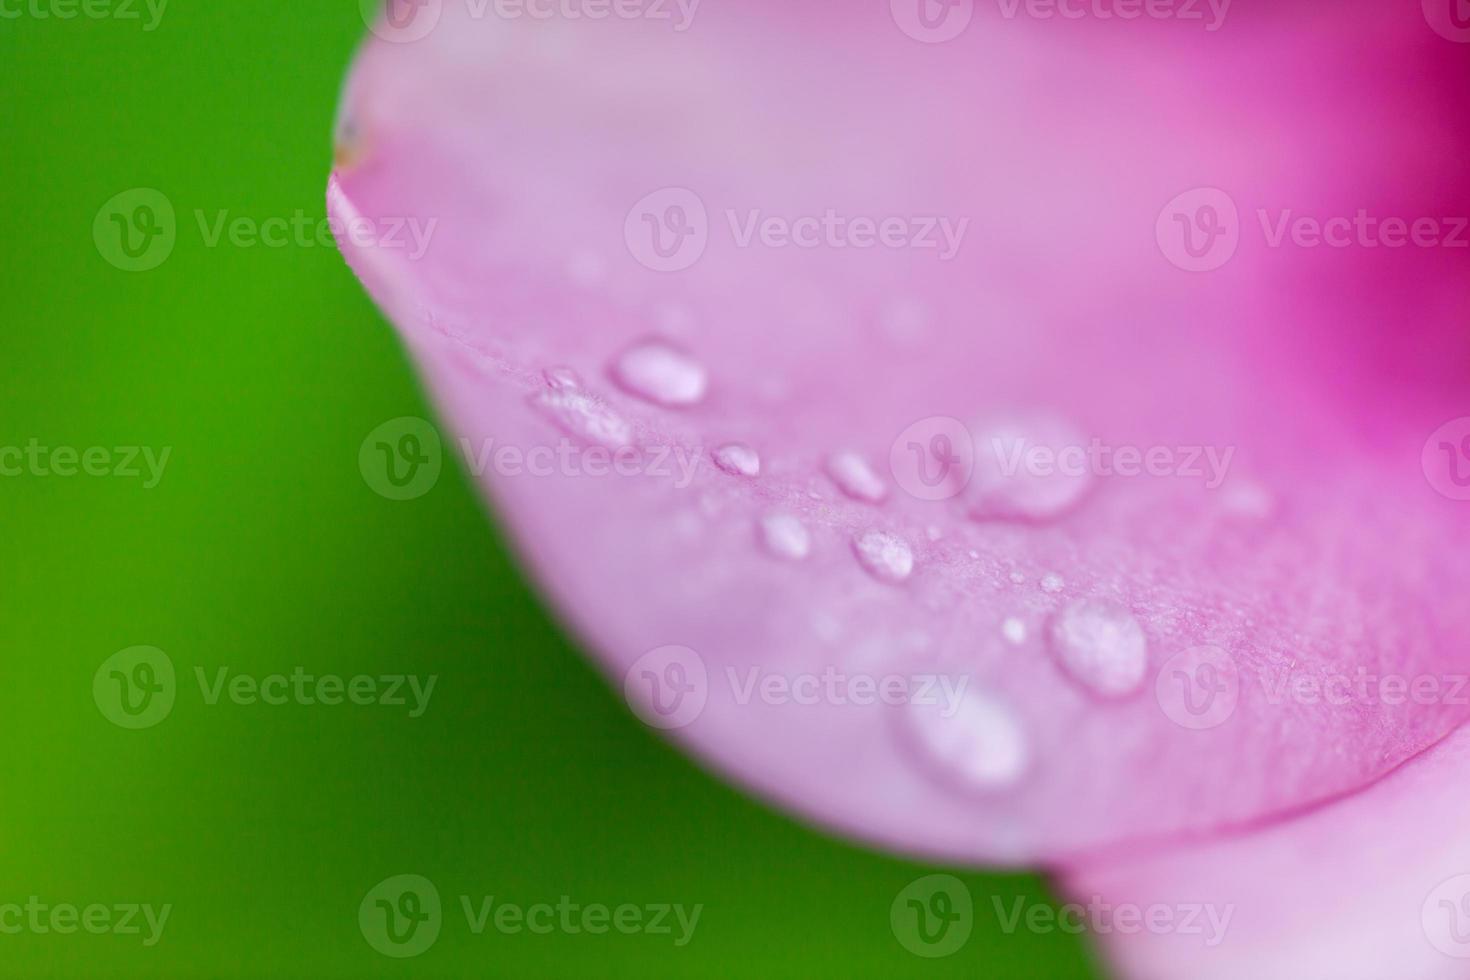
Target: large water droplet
pixel 738 459
pixel 657 372
pixel 1100 646
pixel 584 416
pixel 886 556
pixel 785 537
pixel 977 743
pixel 1032 469
pixel 856 478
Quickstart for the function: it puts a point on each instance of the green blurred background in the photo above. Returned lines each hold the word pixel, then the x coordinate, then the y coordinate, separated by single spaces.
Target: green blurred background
pixel 262 549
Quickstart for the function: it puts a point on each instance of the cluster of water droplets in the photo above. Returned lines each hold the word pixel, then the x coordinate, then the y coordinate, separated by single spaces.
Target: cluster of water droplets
pixel 981 742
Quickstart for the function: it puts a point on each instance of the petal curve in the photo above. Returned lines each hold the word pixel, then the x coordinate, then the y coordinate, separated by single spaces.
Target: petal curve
pixel 540 149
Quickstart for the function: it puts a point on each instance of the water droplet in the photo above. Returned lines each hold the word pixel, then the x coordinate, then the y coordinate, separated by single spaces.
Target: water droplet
pixel 978 743
pixel 562 378
pixel 887 557
pixel 856 478
pixel 1100 646
pixel 973 553
pixel 659 373
pixel 738 459
pixel 785 537
pixel 1014 630
pixel 1035 469
pixel 1018 578
pixel 1052 582
pixel 582 415
pixel 933 532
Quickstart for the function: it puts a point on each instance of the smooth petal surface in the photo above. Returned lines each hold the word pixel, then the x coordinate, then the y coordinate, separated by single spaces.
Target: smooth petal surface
pixel 1083 660
pixel 1374 886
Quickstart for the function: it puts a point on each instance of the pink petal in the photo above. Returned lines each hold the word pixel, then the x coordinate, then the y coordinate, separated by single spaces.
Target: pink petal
pixel 1375 886
pixel 540 148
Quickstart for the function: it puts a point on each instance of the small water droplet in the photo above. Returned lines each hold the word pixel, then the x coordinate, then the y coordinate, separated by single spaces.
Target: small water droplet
pixel 1018 578
pixel 1033 469
pixel 1052 582
pixel 1100 646
pixel 657 372
pixel 785 537
pixel 1014 630
pixel 886 556
pixel 978 743
pixel 738 459
pixel 933 532
pixel 582 415
pixel 856 478
pixel 562 378
pixel 973 553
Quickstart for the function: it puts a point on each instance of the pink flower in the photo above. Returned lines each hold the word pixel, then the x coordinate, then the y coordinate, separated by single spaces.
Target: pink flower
pixel 1029 437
